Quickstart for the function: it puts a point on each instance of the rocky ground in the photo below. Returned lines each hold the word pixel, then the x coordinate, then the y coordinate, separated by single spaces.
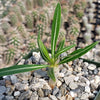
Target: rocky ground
pixel 78 80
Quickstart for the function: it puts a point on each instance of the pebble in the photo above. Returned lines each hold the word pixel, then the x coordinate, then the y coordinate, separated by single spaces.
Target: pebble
pixel 24 76
pixel 1 96
pixel 34 96
pixel 55 90
pixel 47 92
pixel 16 93
pixel 9 98
pixel 20 86
pixel 2 82
pixel 2 89
pixel 25 95
pixel 73 94
pixel 44 98
pixel 84 96
pixel 73 85
pixel 59 83
pixel 40 93
pixel 69 79
pixel 39 73
pixel 87 89
pixel 92 67
pixel 97 79
pixel 52 97
pixel 13 79
pixel 63 89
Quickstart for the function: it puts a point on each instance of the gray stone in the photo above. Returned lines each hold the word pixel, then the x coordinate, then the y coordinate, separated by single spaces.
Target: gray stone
pixel 84 96
pixel 16 93
pixel 52 97
pixel 46 92
pixel 25 95
pixel 92 67
pixel 34 96
pixel 2 82
pixel 69 79
pixel 95 71
pixel 73 85
pixel 55 90
pixel 44 98
pixel 1 96
pixel 39 73
pixel 63 89
pixel 9 98
pixel 87 89
pixel 39 83
pixel 20 86
pixel 40 93
pixel 58 95
pixel 2 89
pixel 42 61
pixel 24 76
pixel 13 79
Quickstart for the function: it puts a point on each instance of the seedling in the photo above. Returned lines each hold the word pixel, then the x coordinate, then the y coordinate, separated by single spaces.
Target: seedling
pixel 53 60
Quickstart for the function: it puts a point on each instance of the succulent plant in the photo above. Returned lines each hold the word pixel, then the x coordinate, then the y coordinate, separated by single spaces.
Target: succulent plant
pixel 91 16
pixel 13 19
pixel 85 20
pixel 29 21
pixel 5 26
pixel 29 4
pixel 79 14
pixel 98 30
pixel 87 37
pixel 21 29
pixel 22 7
pixel 89 27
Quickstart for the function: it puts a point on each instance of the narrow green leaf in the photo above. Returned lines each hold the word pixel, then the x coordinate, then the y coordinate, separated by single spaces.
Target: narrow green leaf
pixel 51 74
pixel 91 61
pixel 20 69
pixel 61 45
pixel 78 53
pixel 55 28
pixel 43 50
pixel 97 96
pixel 64 50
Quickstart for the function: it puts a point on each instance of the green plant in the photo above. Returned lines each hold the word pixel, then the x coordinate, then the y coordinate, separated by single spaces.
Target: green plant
pixel 53 60
pixel 79 14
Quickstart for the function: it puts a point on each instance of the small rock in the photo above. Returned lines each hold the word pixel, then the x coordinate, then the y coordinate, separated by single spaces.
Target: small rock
pixel 16 93
pixel 1 97
pixel 73 94
pixel 92 67
pixel 39 73
pixel 13 79
pixel 59 83
pixel 2 82
pixel 40 93
pixel 95 71
pixel 87 89
pixel 69 79
pixel 20 86
pixel 76 79
pixel 24 76
pixel 34 96
pixel 47 92
pixel 58 95
pixel 42 61
pixel 2 89
pixel 63 89
pixel 73 85
pixel 55 90
pixel 52 97
pixel 69 97
pixel 9 98
pixel 97 79
pixel 25 95
pixel 84 96
pixel 44 98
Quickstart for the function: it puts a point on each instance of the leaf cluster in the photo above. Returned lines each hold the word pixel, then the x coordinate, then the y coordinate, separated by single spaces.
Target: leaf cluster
pixel 53 60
